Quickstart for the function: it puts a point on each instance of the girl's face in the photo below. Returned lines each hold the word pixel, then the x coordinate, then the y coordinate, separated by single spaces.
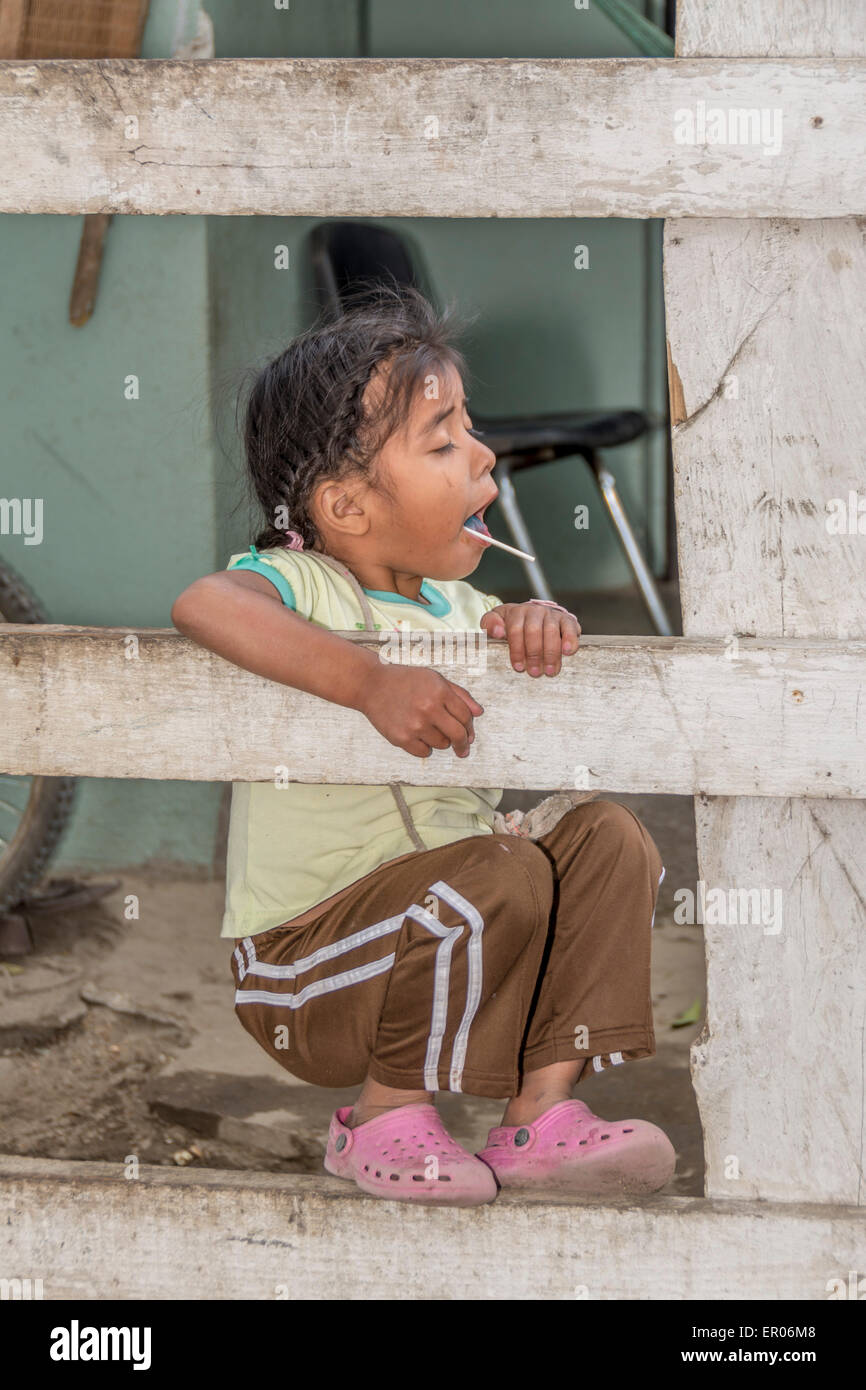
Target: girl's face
pixel 438 472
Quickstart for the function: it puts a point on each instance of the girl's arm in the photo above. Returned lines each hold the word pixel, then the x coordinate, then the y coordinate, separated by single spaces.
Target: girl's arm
pixel 240 616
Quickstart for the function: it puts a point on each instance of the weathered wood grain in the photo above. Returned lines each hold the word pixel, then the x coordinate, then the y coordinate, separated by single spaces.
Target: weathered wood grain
pixel 88 1232
pixel 766 345
pixel 418 137
pixel 767 336
pixel 646 714
pixel 792 29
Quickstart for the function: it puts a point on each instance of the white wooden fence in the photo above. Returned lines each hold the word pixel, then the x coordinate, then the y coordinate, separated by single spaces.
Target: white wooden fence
pixel 758 709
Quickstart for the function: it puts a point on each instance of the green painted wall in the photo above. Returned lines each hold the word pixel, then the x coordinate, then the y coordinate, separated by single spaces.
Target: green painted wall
pixel 126 484
pixel 549 337
pixel 141 496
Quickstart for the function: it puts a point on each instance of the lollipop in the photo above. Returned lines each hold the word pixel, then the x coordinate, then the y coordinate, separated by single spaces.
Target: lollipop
pixel 476 527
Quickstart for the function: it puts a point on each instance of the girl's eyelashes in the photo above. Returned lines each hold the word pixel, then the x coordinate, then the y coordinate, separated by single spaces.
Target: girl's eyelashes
pixel 446 448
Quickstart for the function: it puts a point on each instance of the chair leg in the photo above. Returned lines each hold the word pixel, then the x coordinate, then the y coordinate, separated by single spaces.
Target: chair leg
pixel 640 569
pixel 517 526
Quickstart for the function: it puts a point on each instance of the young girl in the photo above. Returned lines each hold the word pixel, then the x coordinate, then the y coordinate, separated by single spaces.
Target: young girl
pixel 388 936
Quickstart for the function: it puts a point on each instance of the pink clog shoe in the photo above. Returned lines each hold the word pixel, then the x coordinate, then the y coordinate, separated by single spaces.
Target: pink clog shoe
pixel 568 1149
pixel 407 1155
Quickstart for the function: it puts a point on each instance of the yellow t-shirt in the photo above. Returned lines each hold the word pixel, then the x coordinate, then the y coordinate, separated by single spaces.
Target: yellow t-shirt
pixel 291 847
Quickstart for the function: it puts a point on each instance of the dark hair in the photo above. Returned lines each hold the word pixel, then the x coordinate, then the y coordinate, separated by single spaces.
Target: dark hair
pixel 305 419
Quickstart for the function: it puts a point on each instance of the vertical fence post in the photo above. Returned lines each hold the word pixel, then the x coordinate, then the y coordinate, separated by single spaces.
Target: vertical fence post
pixel 766 346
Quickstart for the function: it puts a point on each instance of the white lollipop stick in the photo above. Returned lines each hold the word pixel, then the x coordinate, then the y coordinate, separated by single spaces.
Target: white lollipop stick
pixel 491 540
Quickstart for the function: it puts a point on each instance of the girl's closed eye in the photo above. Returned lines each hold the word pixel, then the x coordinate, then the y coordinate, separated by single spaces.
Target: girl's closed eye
pixel 446 448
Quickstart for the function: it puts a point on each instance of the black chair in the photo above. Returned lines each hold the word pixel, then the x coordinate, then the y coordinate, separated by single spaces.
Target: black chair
pixel 345 255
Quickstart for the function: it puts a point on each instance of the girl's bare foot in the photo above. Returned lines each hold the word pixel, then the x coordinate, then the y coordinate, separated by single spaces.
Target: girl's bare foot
pixel 375 1099
pixel 542 1089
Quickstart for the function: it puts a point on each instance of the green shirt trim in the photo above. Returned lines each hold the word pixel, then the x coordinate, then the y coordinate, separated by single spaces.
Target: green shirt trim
pixel 279 581
pixel 437 603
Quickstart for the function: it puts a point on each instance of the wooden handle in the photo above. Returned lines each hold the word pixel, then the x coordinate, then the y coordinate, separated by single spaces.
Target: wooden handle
pixel 86 281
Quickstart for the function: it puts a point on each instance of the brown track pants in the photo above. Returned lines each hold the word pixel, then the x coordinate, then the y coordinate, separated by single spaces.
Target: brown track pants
pixel 462 968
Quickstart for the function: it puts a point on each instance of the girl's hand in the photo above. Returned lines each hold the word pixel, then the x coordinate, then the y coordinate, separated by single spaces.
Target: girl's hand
pixel 538 636
pixel 418 710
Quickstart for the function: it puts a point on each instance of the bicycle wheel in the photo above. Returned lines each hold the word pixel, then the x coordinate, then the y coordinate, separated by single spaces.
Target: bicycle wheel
pixel 34 811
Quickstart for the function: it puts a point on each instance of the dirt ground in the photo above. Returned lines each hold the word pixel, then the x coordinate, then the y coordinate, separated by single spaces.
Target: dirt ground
pixel 118 1036
pixel 74 1073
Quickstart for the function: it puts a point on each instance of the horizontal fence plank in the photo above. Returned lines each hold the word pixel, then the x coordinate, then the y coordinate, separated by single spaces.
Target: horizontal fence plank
pixel 738 716
pixel 88 1232
pixel 440 137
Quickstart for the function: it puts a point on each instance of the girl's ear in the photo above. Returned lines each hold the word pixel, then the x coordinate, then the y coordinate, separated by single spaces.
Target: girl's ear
pixel 339 505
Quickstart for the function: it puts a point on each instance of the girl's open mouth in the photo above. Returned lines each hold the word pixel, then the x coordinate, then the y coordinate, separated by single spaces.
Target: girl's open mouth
pixel 476 523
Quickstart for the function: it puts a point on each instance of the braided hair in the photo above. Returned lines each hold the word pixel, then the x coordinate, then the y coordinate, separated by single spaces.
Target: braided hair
pixel 305 418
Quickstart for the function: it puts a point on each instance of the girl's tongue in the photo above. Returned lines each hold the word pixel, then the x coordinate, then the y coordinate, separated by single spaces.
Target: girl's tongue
pixel 476 524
